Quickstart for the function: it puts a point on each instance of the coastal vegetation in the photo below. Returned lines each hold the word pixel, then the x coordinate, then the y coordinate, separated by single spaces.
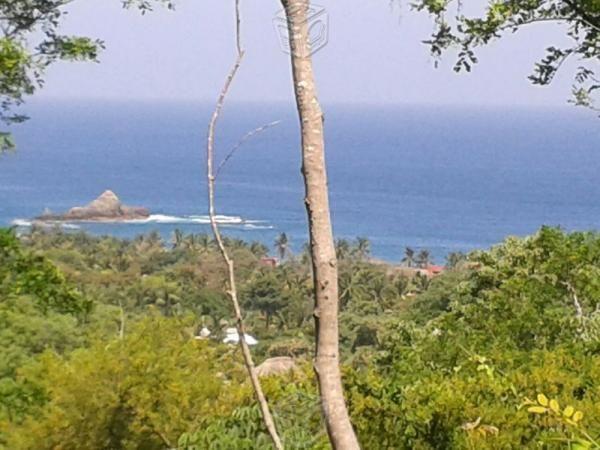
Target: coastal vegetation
pixel 101 345
pixel 113 343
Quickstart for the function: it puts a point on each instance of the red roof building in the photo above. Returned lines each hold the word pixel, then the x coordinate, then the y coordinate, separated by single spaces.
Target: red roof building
pixel 269 262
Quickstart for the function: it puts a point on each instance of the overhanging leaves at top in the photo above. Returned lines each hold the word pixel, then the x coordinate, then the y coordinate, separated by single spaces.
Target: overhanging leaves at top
pixel 455 29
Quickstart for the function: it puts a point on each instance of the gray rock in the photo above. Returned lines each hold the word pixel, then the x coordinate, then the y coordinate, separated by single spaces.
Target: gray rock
pixel 276 366
pixel 107 207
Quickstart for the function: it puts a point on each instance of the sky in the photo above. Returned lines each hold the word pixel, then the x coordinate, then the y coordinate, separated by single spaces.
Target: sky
pixel 374 55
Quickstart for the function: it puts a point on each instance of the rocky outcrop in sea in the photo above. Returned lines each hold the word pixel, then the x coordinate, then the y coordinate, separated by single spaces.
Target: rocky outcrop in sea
pixel 107 207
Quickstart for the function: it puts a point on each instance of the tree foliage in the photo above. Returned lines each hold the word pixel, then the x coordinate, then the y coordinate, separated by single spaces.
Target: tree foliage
pixel 457 362
pixel 140 392
pixel 464 31
pixel 31 41
pixel 25 273
pixel 456 370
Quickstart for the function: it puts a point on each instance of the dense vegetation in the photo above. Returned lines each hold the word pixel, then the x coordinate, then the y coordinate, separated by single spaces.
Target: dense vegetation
pixel 98 347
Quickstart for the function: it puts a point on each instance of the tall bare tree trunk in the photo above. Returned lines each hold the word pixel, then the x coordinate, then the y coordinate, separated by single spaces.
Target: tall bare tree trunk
pixel 327 364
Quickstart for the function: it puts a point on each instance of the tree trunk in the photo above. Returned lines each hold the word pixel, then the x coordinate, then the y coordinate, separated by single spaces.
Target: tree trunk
pixel 121 320
pixel 324 262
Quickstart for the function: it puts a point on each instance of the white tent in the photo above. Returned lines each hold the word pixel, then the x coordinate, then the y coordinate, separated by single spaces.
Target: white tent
pixel 232 337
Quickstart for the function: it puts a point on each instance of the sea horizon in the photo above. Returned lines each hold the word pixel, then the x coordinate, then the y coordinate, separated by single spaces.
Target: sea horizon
pixel 438 178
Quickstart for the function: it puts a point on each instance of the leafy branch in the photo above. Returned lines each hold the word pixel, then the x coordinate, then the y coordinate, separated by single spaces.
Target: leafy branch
pixel 466 34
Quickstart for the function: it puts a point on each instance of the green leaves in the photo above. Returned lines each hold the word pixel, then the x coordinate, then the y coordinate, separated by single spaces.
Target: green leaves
pixel 31 42
pixel 7 142
pixel 466 34
pixel 446 368
pixel 568 418
pixel 16 65
pixel 13 60
pixel 147 5
pixel 73 48
pixel 24 273
pixel 537 409
pixel 482 338
pixel 581 444
pixel 147 389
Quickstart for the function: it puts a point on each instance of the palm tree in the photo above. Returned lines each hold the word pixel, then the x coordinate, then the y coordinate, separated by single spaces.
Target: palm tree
pixel 351 286
pixel 282 246
pixel 204 241
pixel 154 239
pixel 259 249
pixel 363 247
pixel 191 241
pixel 377 286
pixel 342 249
pixel 422 282
pixel 237 244
pixel 178 238
pixel 409 257
pixel 402 285
pixel 454 259
pixel 121 261
pixel 305 257
pixel 424 259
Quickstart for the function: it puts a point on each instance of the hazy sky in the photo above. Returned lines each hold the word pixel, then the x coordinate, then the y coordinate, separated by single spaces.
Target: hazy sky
pixel 374 55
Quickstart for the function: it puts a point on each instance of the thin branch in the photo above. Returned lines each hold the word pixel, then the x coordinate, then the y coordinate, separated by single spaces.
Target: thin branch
pixel 163 438
pixel 242 141
pixel 232 292
pixel 121 320
pixel 590 24
pixel 238 34
pixel 562 61
pixel 514 27
pixel 591 21
pixel 576 303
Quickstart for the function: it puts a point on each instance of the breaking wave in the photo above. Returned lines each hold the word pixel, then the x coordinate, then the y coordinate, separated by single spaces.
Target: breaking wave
pixel 251 226
pixel 23 223
pixel 158 219
pixel 204 220
pixel 165 219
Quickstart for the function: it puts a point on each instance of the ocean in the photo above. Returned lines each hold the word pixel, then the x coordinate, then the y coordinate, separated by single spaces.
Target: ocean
pixel 445 179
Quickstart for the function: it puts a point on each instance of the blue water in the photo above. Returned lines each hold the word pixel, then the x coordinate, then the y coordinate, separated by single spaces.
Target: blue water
pixel 449 179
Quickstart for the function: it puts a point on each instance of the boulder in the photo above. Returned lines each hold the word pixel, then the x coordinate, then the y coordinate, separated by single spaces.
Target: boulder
pixel 276 366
